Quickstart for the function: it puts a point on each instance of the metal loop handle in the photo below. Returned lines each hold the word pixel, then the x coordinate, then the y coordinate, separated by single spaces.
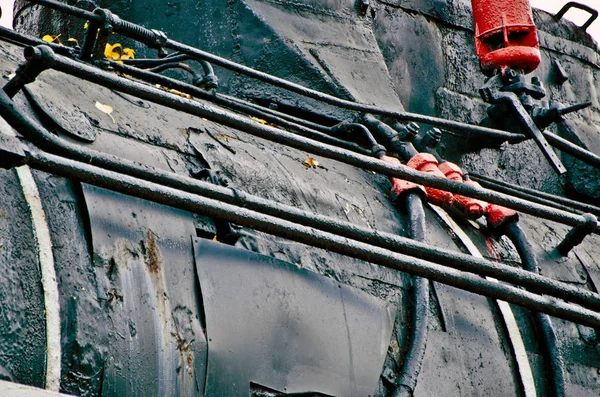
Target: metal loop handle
pixel 574 4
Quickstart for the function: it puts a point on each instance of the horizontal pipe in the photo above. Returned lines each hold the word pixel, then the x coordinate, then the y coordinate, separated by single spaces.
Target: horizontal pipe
pixel 342 103
pixel 67 9
pixel 229 119
pixel 533 195
pixel 239 106
pixel 536 283
pixel 198 54
pixel 167 196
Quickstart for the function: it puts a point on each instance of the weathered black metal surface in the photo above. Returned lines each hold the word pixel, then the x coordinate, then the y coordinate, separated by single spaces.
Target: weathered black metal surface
pixel 22 323
pixel 330 338
pixel 143 251
pixel 392 54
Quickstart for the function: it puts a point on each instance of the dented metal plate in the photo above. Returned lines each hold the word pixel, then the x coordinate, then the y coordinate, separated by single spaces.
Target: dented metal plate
pixel 274 324
pixel 145 276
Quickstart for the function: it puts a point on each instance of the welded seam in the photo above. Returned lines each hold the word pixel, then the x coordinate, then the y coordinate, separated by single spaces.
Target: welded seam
pixel 41 234
pixel 514 334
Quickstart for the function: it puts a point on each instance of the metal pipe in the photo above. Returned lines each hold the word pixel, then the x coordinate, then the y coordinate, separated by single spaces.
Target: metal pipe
pixel 153 94
pixel 131 30
pixel 200 55
pixel 306 235
pixel 23 41
pixel 150 63
pixel 32 131
pixel 570 148
pixel 288 117
pixel 237 105
pixel 411 367
pixel 532 194
pixel 526 196
pixel 67 9
pixel 342 103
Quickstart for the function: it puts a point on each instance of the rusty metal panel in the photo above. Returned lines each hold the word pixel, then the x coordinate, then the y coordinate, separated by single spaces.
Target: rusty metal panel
pixel 145 271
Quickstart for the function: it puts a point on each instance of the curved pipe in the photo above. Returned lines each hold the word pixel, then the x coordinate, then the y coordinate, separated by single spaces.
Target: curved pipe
pixel 413 361
pixel 529 262
pixel 200 55
pixel 41 137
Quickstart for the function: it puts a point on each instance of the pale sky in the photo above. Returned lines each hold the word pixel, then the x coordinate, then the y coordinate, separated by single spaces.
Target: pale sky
pixel 552 6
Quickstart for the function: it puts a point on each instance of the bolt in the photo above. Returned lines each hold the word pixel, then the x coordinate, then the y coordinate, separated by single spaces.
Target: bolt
pixel 413 130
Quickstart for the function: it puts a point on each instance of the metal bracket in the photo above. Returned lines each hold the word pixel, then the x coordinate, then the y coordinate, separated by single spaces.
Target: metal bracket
pixel 491 93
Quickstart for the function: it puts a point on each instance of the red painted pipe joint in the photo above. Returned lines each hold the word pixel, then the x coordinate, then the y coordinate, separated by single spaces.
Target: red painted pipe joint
pixel 505 35
pixel 426 162
pixel 472 208
pixel 400 186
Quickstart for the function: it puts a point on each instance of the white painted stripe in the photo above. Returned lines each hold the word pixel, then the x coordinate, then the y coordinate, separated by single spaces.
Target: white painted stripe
pixel 514 334
pixel 41 234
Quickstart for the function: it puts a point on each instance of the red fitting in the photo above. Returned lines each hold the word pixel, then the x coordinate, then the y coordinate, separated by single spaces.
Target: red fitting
pixel 426 162
pixel 497 215
pixel 505 35
pixel 400 186
pixel 472 208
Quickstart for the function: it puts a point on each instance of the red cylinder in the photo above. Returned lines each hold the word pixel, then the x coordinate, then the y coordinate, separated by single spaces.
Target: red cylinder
pixel 505 35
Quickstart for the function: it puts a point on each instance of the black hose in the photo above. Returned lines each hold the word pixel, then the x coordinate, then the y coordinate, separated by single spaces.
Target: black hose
pixel 413 360
pixel 173 65
pixel 43 139
pixel 548 337
pixel 306 235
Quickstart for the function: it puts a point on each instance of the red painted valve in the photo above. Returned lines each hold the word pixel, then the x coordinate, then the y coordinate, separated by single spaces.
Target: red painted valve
pixel 472 208
pixel 426 162
pixel 505 35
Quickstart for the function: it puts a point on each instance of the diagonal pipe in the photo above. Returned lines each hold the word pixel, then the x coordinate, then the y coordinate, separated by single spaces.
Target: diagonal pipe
pixel 86 72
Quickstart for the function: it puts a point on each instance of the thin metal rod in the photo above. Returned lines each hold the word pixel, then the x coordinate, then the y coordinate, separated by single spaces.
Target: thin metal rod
pixel 32 131
pixel 535 195
pixel 221 116
pixel 237 105
pixel 574 150
pixel 164 195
